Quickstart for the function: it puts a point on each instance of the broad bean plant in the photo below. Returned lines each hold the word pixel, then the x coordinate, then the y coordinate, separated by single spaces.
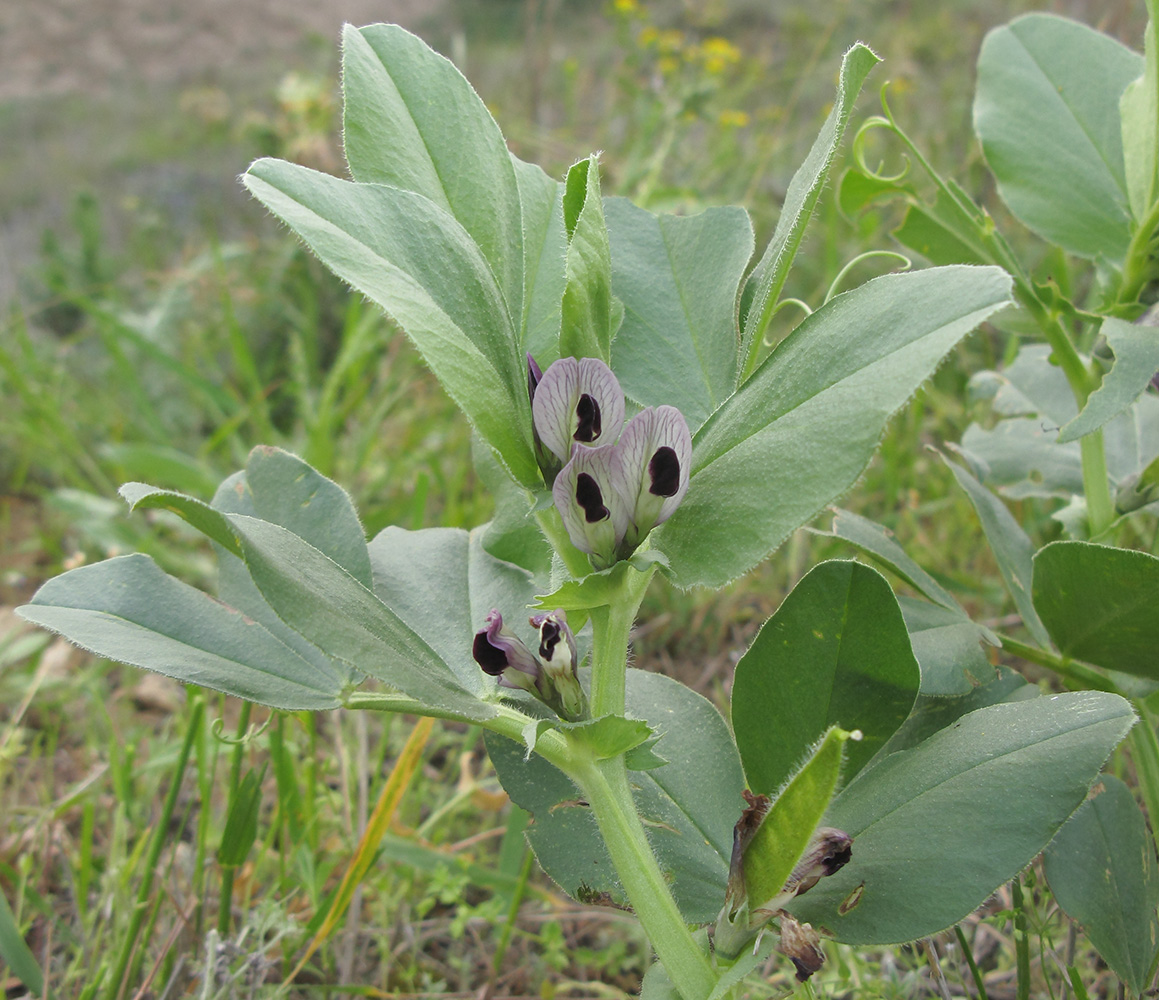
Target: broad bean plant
pixel 877 779
pixel 1066 118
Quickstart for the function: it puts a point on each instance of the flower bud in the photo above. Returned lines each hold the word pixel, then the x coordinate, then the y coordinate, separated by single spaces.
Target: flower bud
pixel 560 660
pixel 829 851
pixel 802 946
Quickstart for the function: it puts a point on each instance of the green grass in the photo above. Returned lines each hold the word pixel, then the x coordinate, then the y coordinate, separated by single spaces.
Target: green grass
pixel 166 356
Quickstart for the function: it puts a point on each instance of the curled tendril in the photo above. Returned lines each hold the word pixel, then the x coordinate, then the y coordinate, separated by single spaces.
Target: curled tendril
pixel 860 140
pixel 799 303
pixel 217 728
pixel 906 264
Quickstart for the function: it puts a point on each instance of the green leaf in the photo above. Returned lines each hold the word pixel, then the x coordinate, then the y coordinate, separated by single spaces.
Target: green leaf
pixel 441 582
pixel 878 542
pixel 16 953
pixel 337 532
pixel 788 826
pixel 763 288
pixel 285 490
pixel 942 233
pixel 678 278
pixel 416 261
pixel 1099 604
pixel 1139 114
pixel 1136 361
pixel 947 647
pixel 598 590
pixel 801 430
pixel 835 653
pixel 689 805
pixel 241 825
pixel 938 828
pixel 586 312
pixel 512 534
pixel 1101 869
pixel 412 121
pixel 344 619
pixel 1022 458
pixel 129 610
pixel 544 257
pixel 1011 546
pixel 934 712
pixel 198 514
pixel 1047 113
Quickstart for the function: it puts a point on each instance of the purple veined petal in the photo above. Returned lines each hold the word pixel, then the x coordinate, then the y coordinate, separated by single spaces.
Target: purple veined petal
pixel 593 513
pixel 503 654
pixel 653 469
pixel 577 402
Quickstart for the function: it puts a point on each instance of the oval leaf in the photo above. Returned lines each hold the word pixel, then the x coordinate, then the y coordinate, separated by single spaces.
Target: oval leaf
pixel 417 262
pixel 1101 869
pixel 128 609
pixel 677 278
pixel 1047 113
pixel 828 389
pixel 1099 604
pixel 835 653
pixel 411 120
pixel 938 828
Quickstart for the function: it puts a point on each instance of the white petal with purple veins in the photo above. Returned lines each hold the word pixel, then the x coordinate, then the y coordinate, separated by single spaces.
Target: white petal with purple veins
pixel 655 452
pixel 577 402
pixel 593 512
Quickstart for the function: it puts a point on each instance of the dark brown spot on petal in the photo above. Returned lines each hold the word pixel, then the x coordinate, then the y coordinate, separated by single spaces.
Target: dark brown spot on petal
pixel 491 658
pixel 664 471
pixel 587 412
pixel 548 639
pixel 589 497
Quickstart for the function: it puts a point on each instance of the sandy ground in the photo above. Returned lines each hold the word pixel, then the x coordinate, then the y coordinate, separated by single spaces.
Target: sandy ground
pixel 93 46
pixel 128 61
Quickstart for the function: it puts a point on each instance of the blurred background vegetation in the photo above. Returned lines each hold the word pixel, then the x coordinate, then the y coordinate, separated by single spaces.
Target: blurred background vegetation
pixel 156 325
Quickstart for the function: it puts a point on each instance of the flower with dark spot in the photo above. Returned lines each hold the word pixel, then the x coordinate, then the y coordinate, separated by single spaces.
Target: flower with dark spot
pixel 577 402
pixel 655 452
pixel 560 660
pixel 503 654
pixel 593 512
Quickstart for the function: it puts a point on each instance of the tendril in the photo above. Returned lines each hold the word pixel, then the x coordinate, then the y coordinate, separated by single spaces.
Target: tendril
pixel 252 732
pixel 906 264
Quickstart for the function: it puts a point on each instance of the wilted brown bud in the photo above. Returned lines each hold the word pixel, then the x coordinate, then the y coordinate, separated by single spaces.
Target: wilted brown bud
pixel 829 851
pixel 802 946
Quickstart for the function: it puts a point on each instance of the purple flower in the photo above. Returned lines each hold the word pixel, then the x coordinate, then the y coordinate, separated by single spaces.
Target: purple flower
pixel 577 402
pixel 655 452
pixel 557 652
pixel 593 512
pixel 503 654
pixel 554 682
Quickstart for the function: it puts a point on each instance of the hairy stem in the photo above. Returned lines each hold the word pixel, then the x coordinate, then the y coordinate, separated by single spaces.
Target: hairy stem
pixel 605 784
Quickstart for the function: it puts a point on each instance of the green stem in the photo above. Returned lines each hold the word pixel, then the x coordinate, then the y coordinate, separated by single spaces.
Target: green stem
pixel 605 785
pixel 611 628
pixel 225 904
pixel 968 952
pixel 160 834
pixel 1021 940
pixel 1079 674
pixel 1138 269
